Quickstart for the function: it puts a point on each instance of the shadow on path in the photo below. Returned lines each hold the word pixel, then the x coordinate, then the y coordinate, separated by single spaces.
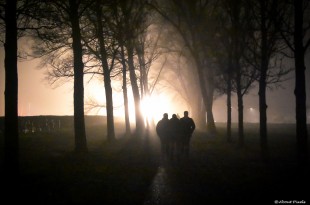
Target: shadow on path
pixel 213 175
pixel 130 171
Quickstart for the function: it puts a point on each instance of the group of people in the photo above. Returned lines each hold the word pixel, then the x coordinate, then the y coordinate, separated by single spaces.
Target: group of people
pixel 175 135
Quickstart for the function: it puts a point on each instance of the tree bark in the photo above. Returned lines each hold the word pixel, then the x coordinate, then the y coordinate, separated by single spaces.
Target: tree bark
pixel 11 138
pixel 240 110
pixel 209 103
pixel 198 112
pixel 143 77
pixel 106 74
pixel 125 94
pixel 78 96
pixel 262 85
pixel 207 97
pixel 135 91
pixel 239 96
pixel 300 84
pixel 228 99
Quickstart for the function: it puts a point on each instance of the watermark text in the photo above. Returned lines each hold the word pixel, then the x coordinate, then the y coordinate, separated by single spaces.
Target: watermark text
pixel 290 202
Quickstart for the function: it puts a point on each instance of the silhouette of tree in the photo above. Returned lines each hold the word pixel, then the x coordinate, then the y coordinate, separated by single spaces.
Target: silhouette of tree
pixel 16 20
pixel 239 77
pixel 11 137
pixel 133 14
pixel 99 53
pixel 96 18
pixel 60 45
pixel 193 21
pixel 117 25
pixel 300 82
pixel 148 50
pixel 78 65
pixel 176 77
pixel 124 87
pixel 264 54
pixel 295 32
pixel 129 16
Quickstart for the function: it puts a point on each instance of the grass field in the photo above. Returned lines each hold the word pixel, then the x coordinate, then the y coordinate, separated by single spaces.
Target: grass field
pixel 126 170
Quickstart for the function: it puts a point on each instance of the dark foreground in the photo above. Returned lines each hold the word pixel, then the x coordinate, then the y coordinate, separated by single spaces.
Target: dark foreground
pixel 130 171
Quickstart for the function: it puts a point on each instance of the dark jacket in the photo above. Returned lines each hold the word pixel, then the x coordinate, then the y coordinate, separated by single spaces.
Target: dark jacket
pixel 162 128
pixel 188 126
pixel 174 128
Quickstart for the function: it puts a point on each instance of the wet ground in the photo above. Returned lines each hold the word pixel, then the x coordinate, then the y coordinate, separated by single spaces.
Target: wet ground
pixel 228 175
pixel 132 171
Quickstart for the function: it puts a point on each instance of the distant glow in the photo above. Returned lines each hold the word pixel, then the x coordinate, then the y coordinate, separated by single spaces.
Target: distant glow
pixel 99 94
pixel 119 108
pixel 95 95
pixel 154 106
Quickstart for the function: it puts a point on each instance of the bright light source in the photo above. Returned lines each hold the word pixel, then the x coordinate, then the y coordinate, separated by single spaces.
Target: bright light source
pixel 153 107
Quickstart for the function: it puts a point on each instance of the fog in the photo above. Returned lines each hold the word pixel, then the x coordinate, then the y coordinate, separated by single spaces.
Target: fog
pixel 37 97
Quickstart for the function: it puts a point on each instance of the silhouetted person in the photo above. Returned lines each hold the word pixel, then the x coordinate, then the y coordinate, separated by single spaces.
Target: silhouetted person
pixel 163 134
pixel 187 127
pixel 174 133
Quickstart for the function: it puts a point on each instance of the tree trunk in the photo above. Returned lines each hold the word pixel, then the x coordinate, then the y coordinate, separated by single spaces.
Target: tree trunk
pixel 109 108
pixel 106 74
pixel 198 112
pixel 263 119
pixel 11 138
pixel 209 105
pixel 135 90
pixel 229 90
pixel 79 120
pixel 207 98
pixel 240 111
pixel 143 75
pixel 262 85
pixel 300 84
pixel 143 78
pixel 209 101
pixel 125 94
pixel 228 100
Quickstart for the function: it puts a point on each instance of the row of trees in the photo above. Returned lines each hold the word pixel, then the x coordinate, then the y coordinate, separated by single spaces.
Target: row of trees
pixel 76 38
pixel 227 45
pixel 241 42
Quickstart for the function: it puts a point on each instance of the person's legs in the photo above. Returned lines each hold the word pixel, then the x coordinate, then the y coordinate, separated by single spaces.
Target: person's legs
pixel 178 150
pixel 171 149
pixel 187 146
pixel 163 149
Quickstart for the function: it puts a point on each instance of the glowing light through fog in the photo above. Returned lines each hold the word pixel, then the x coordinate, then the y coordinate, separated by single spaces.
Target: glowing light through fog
pixel 154 106
pixel 95 95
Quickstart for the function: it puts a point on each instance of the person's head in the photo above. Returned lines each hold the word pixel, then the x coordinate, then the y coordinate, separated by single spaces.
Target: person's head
pixel 165 115
pixel 185 113
pixel 174 116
